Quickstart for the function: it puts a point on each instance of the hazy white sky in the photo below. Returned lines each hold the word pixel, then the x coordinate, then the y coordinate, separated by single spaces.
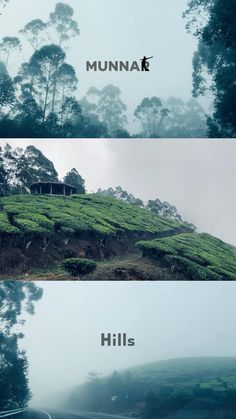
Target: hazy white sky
pixel 167 320
pixel 119 30
pixel 197 176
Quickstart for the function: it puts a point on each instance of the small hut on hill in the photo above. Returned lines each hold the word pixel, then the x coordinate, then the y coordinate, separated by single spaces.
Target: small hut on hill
pixel 52 188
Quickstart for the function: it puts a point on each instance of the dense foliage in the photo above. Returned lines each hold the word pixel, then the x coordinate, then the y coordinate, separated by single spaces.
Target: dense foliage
pixel 213 23
pixel 171 118
pixel 42 101
pixel 197 256
pixel 46 215
pixel 191 387
pixel 20 168
pixel 16 298
pixel 78 267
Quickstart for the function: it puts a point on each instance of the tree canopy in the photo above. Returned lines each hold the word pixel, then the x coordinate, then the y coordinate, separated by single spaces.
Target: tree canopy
pixel 213 23
pixel 16 299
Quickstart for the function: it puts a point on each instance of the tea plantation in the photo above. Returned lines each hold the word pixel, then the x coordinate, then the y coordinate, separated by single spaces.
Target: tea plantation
pixel 199 256
pixel 45 215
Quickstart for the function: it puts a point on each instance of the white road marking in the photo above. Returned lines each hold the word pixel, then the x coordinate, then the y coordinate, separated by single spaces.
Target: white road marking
pixel 45 413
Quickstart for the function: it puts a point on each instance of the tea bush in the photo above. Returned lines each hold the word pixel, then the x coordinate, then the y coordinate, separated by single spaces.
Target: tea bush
pixel 79 267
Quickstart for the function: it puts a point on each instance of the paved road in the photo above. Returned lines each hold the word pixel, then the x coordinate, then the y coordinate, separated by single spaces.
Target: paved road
pixel 66 414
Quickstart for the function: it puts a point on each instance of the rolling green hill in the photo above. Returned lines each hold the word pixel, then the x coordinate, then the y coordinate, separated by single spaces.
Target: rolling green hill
pixel 185 371
pixel 190 387
pixel 38 232
pixel 200 256
pixel 45 215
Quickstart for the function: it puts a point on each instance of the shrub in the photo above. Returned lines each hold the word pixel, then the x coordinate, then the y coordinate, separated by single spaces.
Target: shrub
pixel 79 267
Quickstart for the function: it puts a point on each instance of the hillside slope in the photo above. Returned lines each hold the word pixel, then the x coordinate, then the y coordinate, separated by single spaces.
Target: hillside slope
pixel 38 231
pixel 197 386
pixel 129 243
pixel 199 256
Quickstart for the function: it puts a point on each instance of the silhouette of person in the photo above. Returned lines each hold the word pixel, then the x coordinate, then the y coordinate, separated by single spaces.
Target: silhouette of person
pixel 145 63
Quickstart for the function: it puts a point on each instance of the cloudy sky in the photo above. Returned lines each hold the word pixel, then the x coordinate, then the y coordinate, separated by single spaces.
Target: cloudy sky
pixel 119 30
pixel 197 176
pixel 167 320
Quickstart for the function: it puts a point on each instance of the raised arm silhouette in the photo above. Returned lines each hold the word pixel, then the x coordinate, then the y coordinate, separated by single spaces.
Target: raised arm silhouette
pixel 145 63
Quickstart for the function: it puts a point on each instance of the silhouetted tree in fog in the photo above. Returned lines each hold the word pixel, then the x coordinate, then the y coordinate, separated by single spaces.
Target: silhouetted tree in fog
pixel 16 298
pixel 8 45
pixel 214 62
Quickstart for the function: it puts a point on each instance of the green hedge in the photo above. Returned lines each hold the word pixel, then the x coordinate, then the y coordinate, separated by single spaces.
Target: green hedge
pixel 79 267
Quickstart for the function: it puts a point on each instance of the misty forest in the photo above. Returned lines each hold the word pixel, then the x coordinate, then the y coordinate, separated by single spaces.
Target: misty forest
pixel 16 299
pixel 52 228
pixel 199 388
pixel 42 99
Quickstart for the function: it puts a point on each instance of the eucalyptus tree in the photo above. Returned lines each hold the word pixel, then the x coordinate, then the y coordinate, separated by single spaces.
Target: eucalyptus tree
pixel 34 32
pixel 47 60
pixel 108 106
pixel 26 166
pixel 33 166
pixel 66 85
pixel 151 114
pixel 8 45
pixel 62 20
pixel 7 91
pixel 66 28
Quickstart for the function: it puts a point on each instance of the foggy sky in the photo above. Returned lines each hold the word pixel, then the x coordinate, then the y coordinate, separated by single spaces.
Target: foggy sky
pixel 119 30
pixel 197 176
pixel 167 320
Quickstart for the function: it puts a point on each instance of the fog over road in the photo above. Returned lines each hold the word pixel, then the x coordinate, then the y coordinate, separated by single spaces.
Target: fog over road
pixel 66 414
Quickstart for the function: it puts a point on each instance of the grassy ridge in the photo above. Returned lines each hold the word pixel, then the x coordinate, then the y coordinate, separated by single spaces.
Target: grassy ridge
pixel 78 213
pixel 207 373
pixel 184 388
pixel 200 256
pixel 203 370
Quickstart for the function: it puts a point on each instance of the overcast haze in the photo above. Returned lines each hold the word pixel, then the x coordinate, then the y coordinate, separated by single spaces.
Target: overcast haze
pixel 119 30
pixel 198 177
pixel 167 320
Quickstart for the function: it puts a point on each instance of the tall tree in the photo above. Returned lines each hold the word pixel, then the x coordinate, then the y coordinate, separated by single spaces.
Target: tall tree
pixel 4 185
pixel 7 91
pixel 8 45
pixel 16 298
pixel 47 60
pixel 151 114
pixel 33 166
pixel 66 84
pixel 62 20
pixel 34 31
pixel 184 120
pixel 66 27
pixel 24 167
pixel 109 108
pixel 213 23
pixel 73 178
